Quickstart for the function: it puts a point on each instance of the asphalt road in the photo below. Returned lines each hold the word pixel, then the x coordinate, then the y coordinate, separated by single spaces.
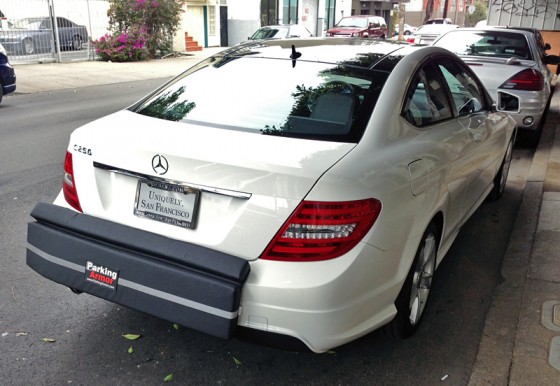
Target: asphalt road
pixel 84 343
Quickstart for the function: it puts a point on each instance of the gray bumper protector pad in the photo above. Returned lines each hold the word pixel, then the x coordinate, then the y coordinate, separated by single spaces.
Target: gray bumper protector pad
pixel 183 283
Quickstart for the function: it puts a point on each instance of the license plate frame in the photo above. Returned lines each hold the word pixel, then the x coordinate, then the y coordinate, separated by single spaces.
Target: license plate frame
pixel 167 202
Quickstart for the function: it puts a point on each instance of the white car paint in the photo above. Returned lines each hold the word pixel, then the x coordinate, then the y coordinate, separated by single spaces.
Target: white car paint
pixel 438 173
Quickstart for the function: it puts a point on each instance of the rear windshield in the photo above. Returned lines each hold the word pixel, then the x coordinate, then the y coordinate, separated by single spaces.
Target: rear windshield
pixel 486 43
pixel 312 100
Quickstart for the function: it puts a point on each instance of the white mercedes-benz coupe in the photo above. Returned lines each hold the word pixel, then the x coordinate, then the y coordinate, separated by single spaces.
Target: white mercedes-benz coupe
pixel 304 189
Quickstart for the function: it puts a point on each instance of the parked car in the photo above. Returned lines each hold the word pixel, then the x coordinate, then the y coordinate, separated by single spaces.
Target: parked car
pixel 7 74
pixel 282 31
pixel 407 30
pixel 316 208
pixel 513 65
pixel 35 34
pixel 440 20
pixel 428 33
pixel 364 26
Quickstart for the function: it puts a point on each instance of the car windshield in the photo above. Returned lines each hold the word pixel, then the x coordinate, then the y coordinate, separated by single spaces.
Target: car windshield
pixel 361 22
pixel 486 43
pixel 269 33
pixel 268 96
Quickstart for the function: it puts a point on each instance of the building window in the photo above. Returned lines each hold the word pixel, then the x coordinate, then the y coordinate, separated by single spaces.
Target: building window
pixel 268 12
pixel 211 20
pixel 329 13
pixel 289 15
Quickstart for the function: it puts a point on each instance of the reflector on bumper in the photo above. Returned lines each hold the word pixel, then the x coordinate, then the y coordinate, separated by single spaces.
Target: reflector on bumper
pixel 186 284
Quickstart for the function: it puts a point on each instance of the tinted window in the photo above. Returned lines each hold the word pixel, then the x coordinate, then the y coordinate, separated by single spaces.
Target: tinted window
pixel 426 101
pixel 466 93
pixel 269 96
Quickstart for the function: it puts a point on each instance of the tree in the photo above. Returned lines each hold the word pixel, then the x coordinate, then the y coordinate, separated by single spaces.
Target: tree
pixel 480 13
pixel 157 19
pixel 430 5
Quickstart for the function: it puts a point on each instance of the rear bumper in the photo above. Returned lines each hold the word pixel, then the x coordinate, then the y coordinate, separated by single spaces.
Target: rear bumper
pixel 183 283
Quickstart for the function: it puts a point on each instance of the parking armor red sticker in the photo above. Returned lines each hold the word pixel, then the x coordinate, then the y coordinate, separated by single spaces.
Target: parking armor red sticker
pixel 103 276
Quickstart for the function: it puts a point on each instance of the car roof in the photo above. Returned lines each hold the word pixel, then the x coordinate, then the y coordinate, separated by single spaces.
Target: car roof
pixel 523 31
pixel 366 53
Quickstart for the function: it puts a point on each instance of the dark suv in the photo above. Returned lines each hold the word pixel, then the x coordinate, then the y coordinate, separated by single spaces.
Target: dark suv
pixel 7 74
pixel 365 26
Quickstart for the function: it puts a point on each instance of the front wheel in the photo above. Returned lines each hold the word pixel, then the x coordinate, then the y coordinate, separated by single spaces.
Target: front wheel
pixel 412 300
pixel 77 43
pixel 28 46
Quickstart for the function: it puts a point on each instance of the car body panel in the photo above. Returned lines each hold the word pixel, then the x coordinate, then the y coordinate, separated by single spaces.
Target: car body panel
pixel 428 33
pixel 276 174
pixel 252 179
pixel 7 74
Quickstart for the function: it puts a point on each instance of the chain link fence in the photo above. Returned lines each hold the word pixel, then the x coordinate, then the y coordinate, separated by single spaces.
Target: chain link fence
pixel 52 30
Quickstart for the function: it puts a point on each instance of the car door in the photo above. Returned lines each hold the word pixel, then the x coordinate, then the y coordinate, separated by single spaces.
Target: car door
pixel 373 28
pixel 442 139
pixel 472 106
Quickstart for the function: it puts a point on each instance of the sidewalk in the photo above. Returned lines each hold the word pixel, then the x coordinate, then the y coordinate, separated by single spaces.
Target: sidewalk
pixel 521 338
pixel 42 77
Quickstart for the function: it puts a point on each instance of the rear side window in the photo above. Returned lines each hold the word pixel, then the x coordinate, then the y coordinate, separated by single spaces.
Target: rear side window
pixel 312 100
pixel 426 102
pixel 465 91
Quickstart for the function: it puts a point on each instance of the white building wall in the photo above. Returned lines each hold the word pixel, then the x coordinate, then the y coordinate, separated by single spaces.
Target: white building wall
pixel 243 19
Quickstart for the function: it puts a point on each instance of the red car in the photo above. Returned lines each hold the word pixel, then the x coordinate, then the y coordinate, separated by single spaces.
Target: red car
pixel 365 26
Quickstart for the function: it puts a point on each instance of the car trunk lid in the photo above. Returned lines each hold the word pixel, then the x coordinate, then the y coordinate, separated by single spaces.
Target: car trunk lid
pixel 246 184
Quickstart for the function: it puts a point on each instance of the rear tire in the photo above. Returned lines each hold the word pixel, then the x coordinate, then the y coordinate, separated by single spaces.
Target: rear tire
pixel 412 300
pixel 501 178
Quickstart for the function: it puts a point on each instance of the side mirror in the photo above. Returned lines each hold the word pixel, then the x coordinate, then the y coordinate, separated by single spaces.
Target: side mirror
pixel 552 59
pixel 547 46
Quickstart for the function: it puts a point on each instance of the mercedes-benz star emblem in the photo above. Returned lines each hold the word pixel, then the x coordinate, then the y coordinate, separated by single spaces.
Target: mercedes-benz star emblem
pixel 159 164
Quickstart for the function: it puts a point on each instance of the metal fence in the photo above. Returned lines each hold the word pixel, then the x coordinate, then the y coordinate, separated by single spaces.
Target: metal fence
pixel 52 30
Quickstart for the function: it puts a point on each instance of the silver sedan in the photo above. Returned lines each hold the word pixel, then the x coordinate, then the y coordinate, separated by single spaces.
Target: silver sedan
pixel 513 65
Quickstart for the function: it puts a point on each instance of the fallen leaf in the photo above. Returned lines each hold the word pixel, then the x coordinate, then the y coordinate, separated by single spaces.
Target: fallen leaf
pixel 49 340
pixel 131 336
pixel 176 326
pixel 168 378
pixel 130 350
pixel 237 361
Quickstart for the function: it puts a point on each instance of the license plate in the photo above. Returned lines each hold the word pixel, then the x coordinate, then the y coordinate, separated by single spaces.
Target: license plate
pixel 168 203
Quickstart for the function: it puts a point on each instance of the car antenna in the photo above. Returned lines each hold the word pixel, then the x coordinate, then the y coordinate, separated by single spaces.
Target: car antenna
pixel 294 56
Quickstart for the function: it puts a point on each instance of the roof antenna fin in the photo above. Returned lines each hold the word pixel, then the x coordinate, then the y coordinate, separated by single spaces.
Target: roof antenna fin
pixel 294 56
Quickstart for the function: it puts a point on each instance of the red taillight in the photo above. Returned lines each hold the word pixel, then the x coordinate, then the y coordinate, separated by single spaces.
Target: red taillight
pixel 323 230
pixel 526 80
pixel 69 184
